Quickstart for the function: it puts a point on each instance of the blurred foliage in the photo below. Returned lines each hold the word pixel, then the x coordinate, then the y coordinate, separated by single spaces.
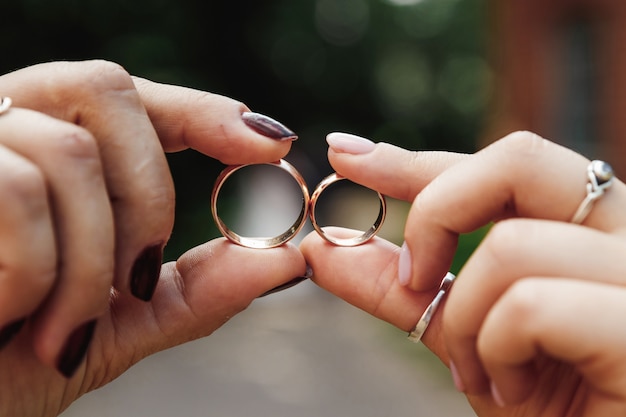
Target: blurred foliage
pixel 466 246
pixel 409 72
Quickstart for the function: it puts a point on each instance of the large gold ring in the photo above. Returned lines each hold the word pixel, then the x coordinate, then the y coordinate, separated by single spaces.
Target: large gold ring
pixel 308 210
pixel 354 241
pixel 261 242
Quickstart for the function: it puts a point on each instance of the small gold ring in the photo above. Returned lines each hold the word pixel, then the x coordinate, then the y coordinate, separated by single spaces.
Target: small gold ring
pixel 261 242
pixel 355 241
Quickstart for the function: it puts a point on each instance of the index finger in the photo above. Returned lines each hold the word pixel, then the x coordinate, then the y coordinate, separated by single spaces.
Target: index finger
pixel 100 97
pixel 393 171
pixel 211 124
pixel 522 175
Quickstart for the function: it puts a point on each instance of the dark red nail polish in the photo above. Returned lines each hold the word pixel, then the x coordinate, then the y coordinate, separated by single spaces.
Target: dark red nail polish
pixel 75 349
pixel 145 273
pixel 267 126
pixel 308 274
pixel 284 286
pixel 9 331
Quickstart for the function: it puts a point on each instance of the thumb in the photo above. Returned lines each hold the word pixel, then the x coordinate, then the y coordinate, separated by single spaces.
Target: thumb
pixel 366 277
pixel 196 295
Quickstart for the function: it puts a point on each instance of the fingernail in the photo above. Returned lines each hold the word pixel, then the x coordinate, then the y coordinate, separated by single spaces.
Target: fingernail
pixel 456 378
pixel 404 265
pixel 75 349
pixel 284 286
pixel 308 274
pixel 9 331
pixel 346 143
pixel 145 273
pixel 267 126
pixel 497 397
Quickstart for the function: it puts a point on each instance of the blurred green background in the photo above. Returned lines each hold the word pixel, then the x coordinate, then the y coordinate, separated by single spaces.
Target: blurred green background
pixel 409 72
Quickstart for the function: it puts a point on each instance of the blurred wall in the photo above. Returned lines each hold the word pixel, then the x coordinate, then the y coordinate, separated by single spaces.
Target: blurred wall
pixel 561 72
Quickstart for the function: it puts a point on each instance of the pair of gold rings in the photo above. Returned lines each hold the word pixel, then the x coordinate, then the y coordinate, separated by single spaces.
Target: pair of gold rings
pixel 309 202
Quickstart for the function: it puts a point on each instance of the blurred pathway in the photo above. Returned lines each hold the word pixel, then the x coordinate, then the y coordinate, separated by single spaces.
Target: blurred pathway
pixel 301 353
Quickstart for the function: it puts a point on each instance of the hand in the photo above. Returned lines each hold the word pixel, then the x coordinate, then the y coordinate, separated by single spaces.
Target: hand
pixel 530 325
pixel 88 203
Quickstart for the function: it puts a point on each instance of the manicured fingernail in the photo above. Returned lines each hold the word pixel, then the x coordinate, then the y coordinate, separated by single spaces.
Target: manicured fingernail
pixel 75 349
pixel 404 265
pixel 456 378
pixel 308 274
pixel 9 331
pixel 284 286
pixel 267 126
pixel 346 143
pixel 145 273
pixel 497 397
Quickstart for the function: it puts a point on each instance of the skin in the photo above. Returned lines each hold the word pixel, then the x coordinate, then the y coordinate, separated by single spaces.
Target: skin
pixel 559 284
pixel 531 326
pixel 87 189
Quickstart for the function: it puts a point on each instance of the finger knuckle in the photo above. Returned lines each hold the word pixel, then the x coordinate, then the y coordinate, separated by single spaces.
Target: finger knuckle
pixel 73 82
pixel 99 75
pixel 78 151
pixel 522 145
pixel 519 304
pixel 76 143
pixel 522 299
pixel 26 185
pixel 501 241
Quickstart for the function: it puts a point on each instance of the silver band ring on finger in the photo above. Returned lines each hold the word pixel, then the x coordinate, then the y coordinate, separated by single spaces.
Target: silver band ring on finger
pixel 5 104
pixel 420 328
pixel 600 177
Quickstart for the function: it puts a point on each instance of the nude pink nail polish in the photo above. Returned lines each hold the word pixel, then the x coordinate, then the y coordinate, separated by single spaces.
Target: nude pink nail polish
pixel 346 143
pixel 456 378
pixel 404 265
pixel 497 397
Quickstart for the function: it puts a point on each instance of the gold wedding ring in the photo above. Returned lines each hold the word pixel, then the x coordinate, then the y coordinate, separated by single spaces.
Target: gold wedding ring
pixel 354 241
pixel 307 210
pixel 261 242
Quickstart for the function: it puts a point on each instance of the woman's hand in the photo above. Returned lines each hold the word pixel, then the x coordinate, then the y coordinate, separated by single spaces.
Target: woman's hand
pixel 531 325
pixel 88 203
